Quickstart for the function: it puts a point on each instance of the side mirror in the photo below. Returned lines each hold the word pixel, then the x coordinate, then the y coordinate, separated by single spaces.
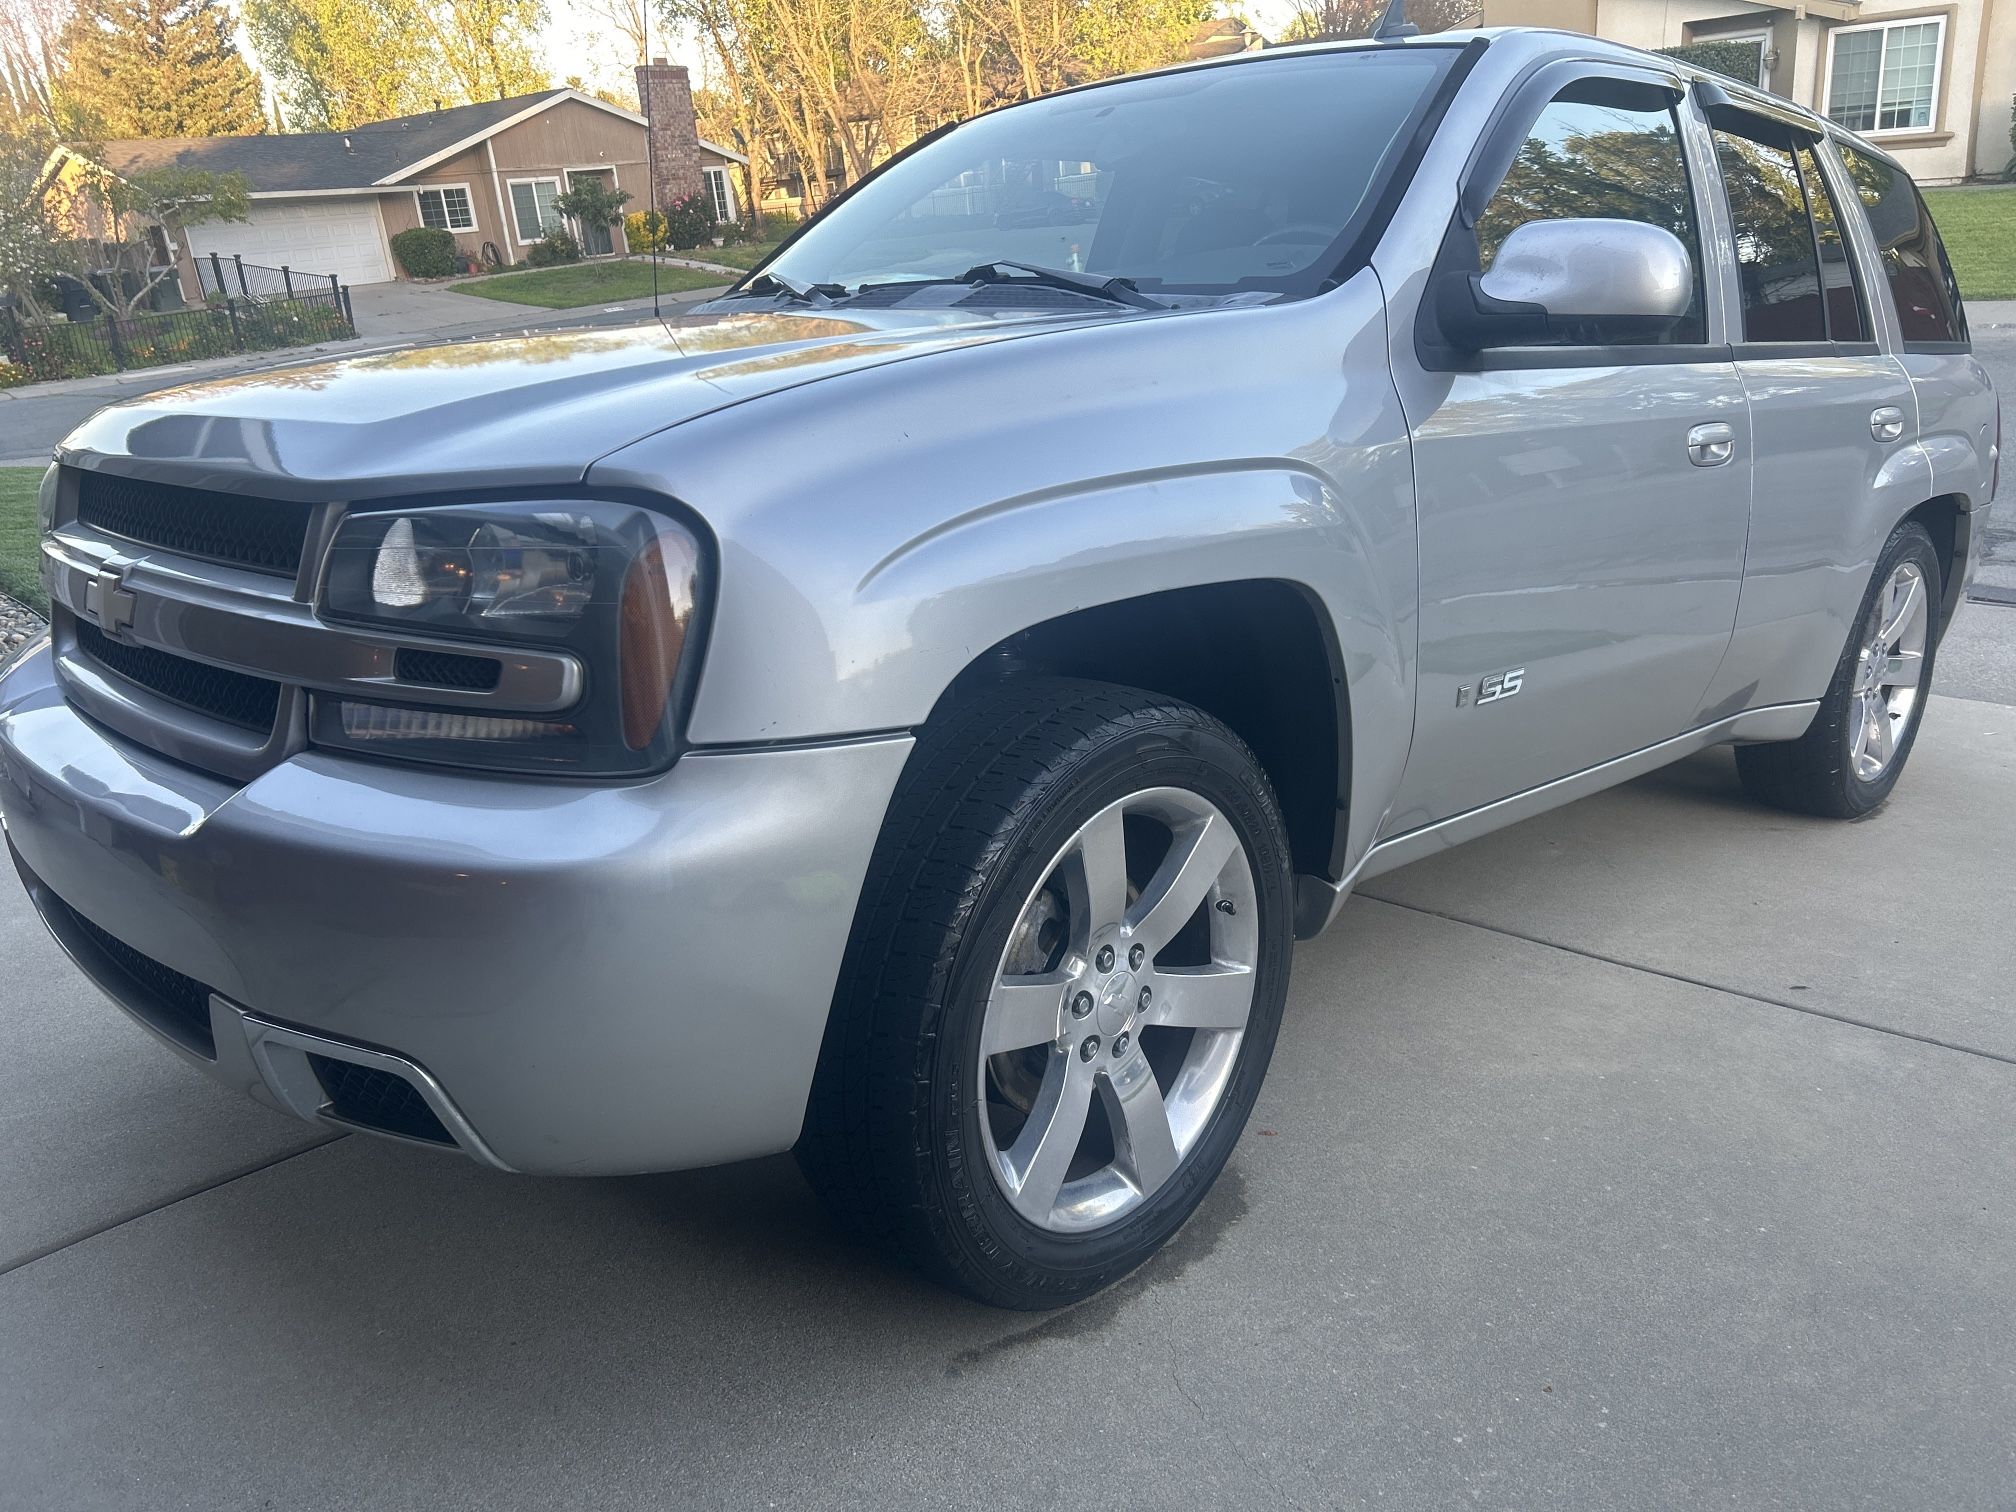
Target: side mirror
pixel 1589 280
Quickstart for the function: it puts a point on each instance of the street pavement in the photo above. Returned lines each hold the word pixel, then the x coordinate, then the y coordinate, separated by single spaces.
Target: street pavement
pixel 1655 1153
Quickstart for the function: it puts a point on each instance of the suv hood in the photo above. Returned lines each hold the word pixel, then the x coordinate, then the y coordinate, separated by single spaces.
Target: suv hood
pixel 530 410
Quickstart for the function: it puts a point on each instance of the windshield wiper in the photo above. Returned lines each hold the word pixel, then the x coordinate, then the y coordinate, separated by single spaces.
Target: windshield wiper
pixel 1119 290
pixel 1114 290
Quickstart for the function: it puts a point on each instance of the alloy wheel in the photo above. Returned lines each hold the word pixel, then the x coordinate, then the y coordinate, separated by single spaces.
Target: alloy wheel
pixel 1115 1015
pixel 1888 672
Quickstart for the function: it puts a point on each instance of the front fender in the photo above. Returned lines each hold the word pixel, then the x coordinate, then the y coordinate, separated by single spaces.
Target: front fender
pixel 881 530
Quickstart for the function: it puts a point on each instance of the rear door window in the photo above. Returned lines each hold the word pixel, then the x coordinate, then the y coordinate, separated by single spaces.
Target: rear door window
pixel 1776 257
pixel 1914 261
pixel 1846 318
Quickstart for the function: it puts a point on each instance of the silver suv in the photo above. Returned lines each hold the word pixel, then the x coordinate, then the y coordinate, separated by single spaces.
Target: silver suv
pixel 908 709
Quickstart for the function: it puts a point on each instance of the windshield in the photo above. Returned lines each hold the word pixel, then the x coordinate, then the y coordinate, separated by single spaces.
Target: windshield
pixel 1206 181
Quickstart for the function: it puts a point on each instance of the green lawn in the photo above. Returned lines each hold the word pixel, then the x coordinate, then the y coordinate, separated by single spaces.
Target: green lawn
pixel 18 576
pixel 587 283
pixel 741 255
pixel 1979 229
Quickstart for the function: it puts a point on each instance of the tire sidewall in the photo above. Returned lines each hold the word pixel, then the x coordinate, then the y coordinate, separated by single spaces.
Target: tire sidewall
pixel 1909 542
pixel 998 1240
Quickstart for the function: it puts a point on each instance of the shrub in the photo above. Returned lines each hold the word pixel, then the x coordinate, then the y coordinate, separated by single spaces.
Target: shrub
pixel 1736 60
pixel 426 252
pixel 775 226
pixel 645 231
pixel 554 248
pixel 689 222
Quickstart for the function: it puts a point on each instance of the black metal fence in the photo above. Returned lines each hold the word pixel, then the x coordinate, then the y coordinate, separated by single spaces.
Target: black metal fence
pixel 37 350
pixel 219 277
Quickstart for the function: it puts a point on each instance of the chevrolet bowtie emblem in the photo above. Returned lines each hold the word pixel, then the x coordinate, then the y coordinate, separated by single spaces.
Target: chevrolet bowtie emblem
pixel 109 601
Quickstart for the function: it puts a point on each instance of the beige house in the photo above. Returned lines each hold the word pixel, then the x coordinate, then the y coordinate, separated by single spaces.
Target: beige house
pixel 1932 83
pixel 327 203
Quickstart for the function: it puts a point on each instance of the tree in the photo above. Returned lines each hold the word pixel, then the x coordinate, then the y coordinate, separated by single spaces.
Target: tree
pixel 1334 20
pixel 107 224
pixel 345 63
pixel 29 238
pixel 30 32
pixel 490 48
pixel 592 203
pixel 154 68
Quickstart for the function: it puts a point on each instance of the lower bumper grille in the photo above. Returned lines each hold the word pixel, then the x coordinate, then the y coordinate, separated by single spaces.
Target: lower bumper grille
pixel 378 1100
pixel 250 702
pixel 177 1005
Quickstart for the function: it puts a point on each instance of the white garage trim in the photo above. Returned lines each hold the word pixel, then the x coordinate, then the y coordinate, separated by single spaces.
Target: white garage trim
pixel 343 236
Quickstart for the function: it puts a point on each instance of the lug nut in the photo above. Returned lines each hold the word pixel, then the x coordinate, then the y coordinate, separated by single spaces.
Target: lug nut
pixel 1105 958
pixel 1081 1005
pixel 1135 956
pixel 1120 1043
pixel 1147 996
pixel 1088 1047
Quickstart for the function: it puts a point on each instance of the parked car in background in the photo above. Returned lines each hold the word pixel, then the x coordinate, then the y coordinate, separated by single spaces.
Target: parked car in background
pixel 908 709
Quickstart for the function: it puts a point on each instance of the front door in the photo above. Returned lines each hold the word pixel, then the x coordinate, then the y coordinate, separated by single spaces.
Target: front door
pixel 1582 510
pixel 596 240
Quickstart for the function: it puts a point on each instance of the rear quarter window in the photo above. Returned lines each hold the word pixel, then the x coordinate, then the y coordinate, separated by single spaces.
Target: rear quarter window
pixel 1914 260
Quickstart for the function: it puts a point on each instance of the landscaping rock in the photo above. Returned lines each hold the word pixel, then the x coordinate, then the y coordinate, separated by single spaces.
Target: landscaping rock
pixel 18 626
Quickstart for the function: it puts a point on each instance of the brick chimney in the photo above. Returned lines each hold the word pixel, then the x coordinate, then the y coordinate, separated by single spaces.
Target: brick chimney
pixel 665 94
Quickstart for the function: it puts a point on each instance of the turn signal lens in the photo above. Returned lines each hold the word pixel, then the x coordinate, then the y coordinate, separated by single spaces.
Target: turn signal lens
pixel 657 612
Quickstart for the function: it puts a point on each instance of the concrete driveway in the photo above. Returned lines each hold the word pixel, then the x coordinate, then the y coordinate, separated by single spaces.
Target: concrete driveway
pixel 1655 1153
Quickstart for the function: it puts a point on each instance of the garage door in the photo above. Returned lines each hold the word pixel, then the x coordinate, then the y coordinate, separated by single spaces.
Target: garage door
pixel 337 236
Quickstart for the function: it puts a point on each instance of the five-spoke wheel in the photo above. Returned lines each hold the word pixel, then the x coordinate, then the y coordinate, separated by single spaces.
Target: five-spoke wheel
pixel 1116 1014
pixel 1063 990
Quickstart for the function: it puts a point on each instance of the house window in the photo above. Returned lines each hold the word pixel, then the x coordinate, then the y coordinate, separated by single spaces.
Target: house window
pixel 447 208
pixel 1885 76
pixel 532 208
pixel 721 192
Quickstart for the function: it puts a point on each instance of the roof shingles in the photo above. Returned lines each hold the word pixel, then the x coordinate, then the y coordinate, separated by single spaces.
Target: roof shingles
pixel 301 162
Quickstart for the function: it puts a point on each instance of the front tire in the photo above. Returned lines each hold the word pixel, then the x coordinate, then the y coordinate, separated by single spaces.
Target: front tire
pixel 1062 993
pixel 1854 751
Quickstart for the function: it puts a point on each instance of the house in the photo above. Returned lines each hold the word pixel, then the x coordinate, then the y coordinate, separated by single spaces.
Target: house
pixel 1222 37
pixel 331 202
pixel 1930 82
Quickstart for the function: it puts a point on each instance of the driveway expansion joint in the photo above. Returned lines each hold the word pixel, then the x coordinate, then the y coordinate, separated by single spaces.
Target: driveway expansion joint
pixel 1690 981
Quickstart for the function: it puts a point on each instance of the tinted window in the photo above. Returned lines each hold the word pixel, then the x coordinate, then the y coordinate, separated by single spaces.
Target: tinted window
pixel 1775 260
pixel 1248 176
pixel 1914 263
pixel 1600 150
pixel 1846 318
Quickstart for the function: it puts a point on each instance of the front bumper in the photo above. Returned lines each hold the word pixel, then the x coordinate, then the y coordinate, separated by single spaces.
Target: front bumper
pixel 576 977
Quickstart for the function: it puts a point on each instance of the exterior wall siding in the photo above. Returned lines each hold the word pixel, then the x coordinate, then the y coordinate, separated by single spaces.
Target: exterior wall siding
pixel 568 137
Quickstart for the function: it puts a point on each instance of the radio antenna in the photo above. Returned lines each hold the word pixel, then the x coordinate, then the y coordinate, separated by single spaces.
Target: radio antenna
pixel 1394 23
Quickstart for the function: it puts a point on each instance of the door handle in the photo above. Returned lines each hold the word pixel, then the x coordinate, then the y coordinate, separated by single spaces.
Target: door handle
pixel 1886 422
pixel 1711 445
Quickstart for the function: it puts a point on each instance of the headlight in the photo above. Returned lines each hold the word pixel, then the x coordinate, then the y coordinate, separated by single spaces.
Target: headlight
pixel 612 584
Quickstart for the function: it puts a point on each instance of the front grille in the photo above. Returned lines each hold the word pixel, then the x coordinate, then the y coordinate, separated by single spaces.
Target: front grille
pixel 233 697
pixel 177 1005
pixel 266 535
pixel 446 669
pixel 378 1100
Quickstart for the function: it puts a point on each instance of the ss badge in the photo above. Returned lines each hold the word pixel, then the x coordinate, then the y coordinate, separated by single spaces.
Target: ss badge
pixel 1490 689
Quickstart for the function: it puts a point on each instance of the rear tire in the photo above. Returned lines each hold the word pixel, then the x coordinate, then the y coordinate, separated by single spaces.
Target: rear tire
pixel 1852 754
pixel 976 1111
